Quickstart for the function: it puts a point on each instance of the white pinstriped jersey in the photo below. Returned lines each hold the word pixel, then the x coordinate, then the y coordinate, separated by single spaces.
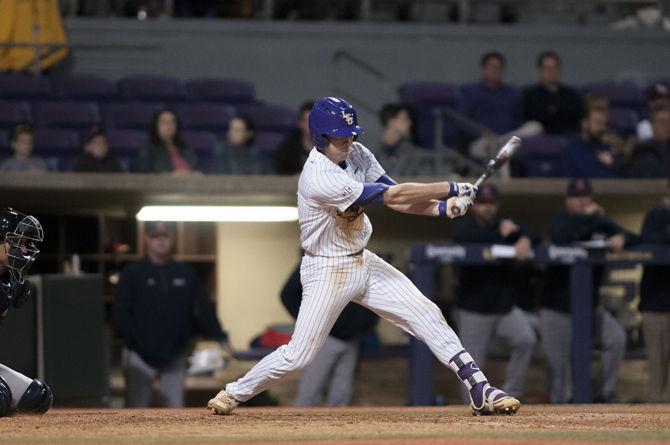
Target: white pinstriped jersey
pixel 328 227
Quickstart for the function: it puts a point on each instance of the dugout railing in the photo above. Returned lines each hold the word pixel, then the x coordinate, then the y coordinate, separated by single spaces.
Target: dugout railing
pixel 425 258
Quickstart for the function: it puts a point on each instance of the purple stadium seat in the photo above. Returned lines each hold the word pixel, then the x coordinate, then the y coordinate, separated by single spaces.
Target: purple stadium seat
pixel 24 86
pixel 4 142
pixel 203 116
pixel 126 143
pixel 203 143
pixel 618 94
pixel 543 156
pixel 77 115
pixel 233 91
pixel 58 146
pixel 84 87
pixel 268 142
pixel 275 118
pixel 159 88
pixel 623 121
pixel 131 115
pixel 14 112
pixel 425 97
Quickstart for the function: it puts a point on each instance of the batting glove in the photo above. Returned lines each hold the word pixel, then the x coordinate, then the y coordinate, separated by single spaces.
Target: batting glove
pixel 458 206
pixel 462 189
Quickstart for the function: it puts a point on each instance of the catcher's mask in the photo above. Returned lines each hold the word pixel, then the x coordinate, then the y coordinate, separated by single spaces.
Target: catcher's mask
pixel 21 235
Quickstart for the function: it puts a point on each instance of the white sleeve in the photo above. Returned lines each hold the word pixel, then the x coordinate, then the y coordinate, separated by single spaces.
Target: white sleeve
pixel 335 189
pixel 374 170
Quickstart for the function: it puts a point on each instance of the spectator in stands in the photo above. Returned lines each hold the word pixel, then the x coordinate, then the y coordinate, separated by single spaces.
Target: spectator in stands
pixel 651 158
pixel 590 155
pixel 582 220
pixel 96 157
pixel 336 362
pixel 658 97
pixel 166 151
pixel 556 106
pixel 22 159
pixel 655 304
pixel 396 152
pixel 495 105
pixel 487 295
pixel 158 302
pixel 237 154
pixel 293 151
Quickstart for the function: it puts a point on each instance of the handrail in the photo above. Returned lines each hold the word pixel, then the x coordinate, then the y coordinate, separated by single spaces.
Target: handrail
pixel 339 54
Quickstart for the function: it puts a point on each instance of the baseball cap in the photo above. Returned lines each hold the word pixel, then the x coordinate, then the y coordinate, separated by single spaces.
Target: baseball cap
pixel 579 187
pixel 155 228
pixel 487 194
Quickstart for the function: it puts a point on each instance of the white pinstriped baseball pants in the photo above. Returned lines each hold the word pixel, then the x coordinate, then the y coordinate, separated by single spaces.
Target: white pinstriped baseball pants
pixel 329 283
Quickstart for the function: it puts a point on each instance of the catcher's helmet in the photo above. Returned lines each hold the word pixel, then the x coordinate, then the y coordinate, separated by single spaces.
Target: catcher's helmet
pixel 20 235
pixel 334 117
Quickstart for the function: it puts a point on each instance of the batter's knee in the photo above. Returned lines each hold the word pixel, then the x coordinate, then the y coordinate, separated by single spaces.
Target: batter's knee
pixel 5 398
pixel 297 357
pixel 37 399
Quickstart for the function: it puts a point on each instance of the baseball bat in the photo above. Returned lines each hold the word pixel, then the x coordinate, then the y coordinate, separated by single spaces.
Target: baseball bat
pixel 494 164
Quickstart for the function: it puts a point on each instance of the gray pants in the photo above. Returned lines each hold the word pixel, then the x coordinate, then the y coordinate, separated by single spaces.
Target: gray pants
pixel 336 360
pixel 656 327
pixel 514 328
pixel 140 379
pixel 556 331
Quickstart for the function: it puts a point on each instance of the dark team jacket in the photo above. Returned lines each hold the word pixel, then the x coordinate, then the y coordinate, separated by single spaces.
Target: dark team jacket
pixel 157 307
pixel 566 229
pixel 559 112
pixel 491 289
pixel 354 321
pixel 655 285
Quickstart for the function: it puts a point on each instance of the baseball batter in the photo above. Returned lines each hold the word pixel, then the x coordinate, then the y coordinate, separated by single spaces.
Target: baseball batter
pixel 20 235
pixel 339 180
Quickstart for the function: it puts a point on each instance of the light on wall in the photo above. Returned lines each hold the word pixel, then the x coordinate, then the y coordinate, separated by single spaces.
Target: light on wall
pixel 218 213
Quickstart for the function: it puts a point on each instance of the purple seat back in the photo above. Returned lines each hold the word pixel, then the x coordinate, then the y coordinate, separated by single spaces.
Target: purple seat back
pixel 623 121
pixel 79 115
pixel 277 118
pixel 202 116
pixel 84 87
pixel 4 141
pixel 203 144
pixel 543 156
pixel 24 86
pixel 14 112
pixel 618 94
pixel 233 91
pixel 126 143
pixel 268 142
pixel 58 146
pixel 158 88
pixel 131 115
pixel 428 93
pixel 425 97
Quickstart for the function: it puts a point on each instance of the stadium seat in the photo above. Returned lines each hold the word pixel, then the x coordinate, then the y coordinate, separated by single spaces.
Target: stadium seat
pixel 76 115
pixel 203 116
pixel 24 86
pixel 275 118
pixel 158 88
pixel 84 87
pixel 13 112
pixel 204 144
pixel 56 144
pixel 543 156
pixel 268 142
pixel 125 143
pixel 4 142
pixel 131 115
pixel 623 121
pixel 425 98
pixel 232 91
pixel 618 94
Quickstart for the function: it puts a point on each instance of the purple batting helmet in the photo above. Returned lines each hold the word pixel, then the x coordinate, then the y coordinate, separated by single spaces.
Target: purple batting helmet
pixel 334 117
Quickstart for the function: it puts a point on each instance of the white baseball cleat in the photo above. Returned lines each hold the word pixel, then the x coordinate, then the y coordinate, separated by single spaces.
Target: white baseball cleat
pixel 223 403
pixel 494 401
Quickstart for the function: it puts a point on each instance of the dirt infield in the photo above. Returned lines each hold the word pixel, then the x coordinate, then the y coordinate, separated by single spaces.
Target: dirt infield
pixel 648 424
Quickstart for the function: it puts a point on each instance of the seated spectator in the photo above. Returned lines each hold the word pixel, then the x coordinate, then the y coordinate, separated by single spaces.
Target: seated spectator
pixel 397 155
pixel 96 156
pixel 495 105
pixel 651 158
pixel 556 106
pixel 590 155
pixel 237 154
pixel 293 151
pixel 166 152
pixel 22 159
pixel 658 96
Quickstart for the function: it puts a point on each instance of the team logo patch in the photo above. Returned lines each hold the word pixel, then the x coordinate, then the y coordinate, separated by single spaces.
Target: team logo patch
pixel 348 117
pixel 346 191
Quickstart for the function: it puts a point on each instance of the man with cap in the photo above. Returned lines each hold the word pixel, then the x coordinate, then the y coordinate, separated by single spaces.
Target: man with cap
pixel 658 97
pixel 582 220
pixel 158 302
pixel 488 295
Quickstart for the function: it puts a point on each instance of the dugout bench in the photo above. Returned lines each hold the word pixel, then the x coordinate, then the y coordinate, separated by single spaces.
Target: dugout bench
pixel 425 258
